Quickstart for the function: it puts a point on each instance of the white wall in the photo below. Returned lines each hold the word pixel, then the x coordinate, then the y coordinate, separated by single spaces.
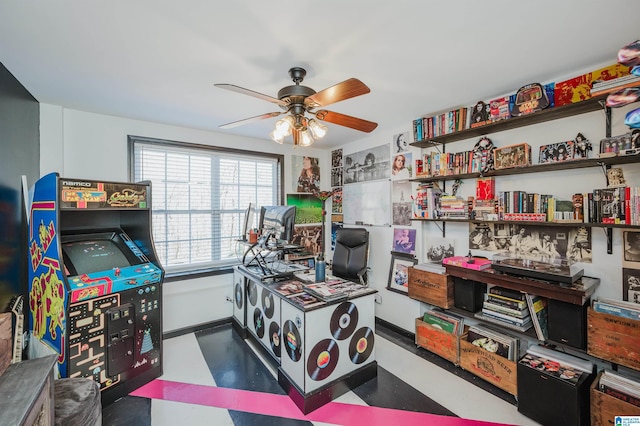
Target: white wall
pixel 79 144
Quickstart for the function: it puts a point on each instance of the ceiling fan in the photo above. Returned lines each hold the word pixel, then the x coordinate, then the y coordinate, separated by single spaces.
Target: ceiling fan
pixel 298 100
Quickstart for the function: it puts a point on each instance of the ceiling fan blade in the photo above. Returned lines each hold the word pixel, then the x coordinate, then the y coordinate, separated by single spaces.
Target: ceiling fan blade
pixel 346 120
pixel 346 90
pixel 250 120
pixel 244 91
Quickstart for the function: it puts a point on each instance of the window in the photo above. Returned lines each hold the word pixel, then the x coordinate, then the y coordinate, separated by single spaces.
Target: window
pixel 199 195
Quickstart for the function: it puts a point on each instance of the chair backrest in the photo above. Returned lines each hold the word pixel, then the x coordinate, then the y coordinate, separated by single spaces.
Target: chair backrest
pixel 351 255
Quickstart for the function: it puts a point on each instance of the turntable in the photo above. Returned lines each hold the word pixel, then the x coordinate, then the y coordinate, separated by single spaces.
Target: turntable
pixel 536 266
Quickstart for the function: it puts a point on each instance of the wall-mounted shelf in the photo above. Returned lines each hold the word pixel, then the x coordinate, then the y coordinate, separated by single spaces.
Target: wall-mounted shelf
pixel 538 168
pixel 550 114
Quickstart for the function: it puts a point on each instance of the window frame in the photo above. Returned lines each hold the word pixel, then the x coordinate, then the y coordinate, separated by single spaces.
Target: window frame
pixel 224 267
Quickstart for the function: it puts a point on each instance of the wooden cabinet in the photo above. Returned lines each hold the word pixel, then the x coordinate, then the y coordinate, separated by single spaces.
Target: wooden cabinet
pixel 26 393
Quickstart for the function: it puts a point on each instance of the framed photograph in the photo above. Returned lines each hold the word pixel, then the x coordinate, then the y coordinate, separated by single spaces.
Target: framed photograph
pixel 631 255
pixel 557 152
pixel 404 240
pixel 631 285
pixel 518 155
pixel 399 272
pixel 437 249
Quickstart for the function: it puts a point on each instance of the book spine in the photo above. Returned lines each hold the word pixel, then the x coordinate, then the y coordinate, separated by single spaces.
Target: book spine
pixel 507 318
pixel 505 292
pixel 506 302
pixel 507 311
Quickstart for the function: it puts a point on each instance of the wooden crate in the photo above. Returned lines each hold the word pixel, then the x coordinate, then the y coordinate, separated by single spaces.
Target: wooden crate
pixel 497 370
pixel 604 407
pixel 613 338
pixel 5 341
pixel 428 287
pixel 437 341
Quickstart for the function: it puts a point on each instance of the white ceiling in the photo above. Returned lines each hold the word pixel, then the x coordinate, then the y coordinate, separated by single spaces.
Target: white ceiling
pixel 157 60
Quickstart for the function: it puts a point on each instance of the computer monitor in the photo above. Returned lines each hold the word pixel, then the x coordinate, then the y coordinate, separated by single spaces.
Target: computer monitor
pixel 278 221
pixel 99 251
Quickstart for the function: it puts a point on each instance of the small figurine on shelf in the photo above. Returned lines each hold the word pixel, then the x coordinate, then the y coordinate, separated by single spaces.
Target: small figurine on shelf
pixel 582 146
pixel 615 177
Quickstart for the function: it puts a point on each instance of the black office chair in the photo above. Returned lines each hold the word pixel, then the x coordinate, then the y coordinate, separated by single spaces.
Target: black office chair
pixel 351 254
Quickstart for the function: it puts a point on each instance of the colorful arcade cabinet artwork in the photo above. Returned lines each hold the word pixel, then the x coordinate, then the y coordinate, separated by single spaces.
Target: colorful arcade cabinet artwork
pixel 95 283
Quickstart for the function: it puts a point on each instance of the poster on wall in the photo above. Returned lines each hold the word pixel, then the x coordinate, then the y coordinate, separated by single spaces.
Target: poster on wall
pixel 631 285
pixel 401 167
pixel 336 200
pixel 631 255
pixel 306 173
pixel 400 142
pixel 404 240
pixel 367 203
pixel 401 202
pixel 437 248
pixel 308 208
pixel 364 166
pixel 399 272
pixel 550 243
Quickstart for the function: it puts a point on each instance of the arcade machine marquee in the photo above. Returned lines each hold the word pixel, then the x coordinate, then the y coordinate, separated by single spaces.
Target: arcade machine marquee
pixel 95 284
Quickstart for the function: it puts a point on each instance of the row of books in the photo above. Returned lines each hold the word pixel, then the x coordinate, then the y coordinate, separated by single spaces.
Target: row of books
pixel 620 387
pixel 435 164
pixel 603 205
pixel 515 310
pixel 445 321
pixel 425 128
pixel 494 341
pixel 561 365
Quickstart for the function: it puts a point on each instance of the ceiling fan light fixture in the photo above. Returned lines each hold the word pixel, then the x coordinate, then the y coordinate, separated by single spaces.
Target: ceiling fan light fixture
pixel 306 139
pixel 285 125
pixel 276 136
pixel 318 129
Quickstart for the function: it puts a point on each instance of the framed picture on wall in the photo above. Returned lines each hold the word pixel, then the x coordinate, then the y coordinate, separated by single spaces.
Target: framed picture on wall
pixel 399 272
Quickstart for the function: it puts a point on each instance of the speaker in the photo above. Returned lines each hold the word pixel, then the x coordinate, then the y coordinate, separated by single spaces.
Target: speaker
pixel 468 294
pixel 568 323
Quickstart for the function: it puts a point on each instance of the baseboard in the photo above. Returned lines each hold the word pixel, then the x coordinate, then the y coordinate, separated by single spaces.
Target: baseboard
pixel 194 328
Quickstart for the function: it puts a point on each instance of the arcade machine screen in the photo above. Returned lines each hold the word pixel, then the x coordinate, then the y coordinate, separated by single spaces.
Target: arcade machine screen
pixel 88 253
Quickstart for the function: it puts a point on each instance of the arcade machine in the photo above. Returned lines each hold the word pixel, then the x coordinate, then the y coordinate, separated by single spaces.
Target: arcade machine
pixel 95 283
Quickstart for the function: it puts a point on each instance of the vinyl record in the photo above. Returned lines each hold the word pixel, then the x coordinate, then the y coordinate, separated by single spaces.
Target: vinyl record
pixel 274 338
pixel 323 359
pixel 361 345
pixel 252 290
pixel 344 320
pixel 239 297
pixel 292 341
pixel 258 322
pixel 267 303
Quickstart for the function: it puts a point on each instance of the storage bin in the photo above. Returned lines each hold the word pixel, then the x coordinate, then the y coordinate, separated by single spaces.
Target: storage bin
pixel 432 288
pixel 604 408
pixel 439 342
pixel 613 338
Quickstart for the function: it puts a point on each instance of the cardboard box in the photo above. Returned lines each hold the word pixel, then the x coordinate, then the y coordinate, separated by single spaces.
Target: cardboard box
pixel 578 88
pixel 613 338
pixel 518 155
pixel 604 408
pixel 438 341
pixel 497 370
pixel 432 288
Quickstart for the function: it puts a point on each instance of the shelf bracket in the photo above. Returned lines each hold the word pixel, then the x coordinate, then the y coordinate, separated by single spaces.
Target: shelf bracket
pixel 609 233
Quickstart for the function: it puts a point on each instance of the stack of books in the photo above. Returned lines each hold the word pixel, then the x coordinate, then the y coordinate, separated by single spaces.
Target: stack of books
pixel 445 321
pixel 617 307
pixel 491 340
pixel 557 364
pixel 453 207
pixel 507 308
pixel 620 387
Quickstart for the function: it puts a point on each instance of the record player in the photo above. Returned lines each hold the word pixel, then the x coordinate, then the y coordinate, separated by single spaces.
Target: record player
pixel 554 269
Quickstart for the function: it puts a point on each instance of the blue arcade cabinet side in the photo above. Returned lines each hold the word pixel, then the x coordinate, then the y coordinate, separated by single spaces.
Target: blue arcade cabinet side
pixel 95 283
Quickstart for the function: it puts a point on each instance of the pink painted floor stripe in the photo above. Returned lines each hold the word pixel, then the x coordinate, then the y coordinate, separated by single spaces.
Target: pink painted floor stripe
pixel 282 406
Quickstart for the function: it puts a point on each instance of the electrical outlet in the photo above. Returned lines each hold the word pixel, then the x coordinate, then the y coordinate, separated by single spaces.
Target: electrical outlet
pixel 378 299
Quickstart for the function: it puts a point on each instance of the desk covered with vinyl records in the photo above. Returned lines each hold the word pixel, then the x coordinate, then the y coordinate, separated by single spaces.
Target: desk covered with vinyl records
pixel 324 347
